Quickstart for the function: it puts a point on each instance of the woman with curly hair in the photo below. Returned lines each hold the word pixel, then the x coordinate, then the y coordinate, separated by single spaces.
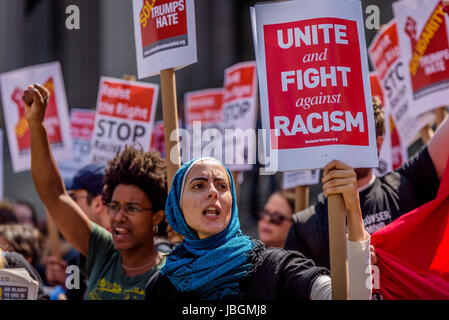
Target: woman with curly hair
pixel 118 265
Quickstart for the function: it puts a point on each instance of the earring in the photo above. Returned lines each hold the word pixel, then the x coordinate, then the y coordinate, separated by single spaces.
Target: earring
pixel 155 229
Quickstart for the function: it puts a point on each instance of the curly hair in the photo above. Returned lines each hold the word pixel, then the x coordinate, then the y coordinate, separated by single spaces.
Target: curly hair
pixel 23 239
pixel 7 215
pixel 146 170
pixel 379 116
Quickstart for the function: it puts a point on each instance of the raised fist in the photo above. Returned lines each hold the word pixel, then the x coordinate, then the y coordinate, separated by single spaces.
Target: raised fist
pixel 36 99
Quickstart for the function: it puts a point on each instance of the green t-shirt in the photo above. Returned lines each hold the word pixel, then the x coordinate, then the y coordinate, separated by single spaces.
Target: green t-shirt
pixel 103 267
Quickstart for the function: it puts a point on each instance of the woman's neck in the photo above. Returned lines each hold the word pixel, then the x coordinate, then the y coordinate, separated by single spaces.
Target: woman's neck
pixel 140 260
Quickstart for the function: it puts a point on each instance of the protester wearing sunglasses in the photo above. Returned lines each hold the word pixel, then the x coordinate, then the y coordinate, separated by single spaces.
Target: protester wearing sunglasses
pixel 276 218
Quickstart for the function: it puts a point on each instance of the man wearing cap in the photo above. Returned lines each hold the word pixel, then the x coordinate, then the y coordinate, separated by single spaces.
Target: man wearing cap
pixel 86 188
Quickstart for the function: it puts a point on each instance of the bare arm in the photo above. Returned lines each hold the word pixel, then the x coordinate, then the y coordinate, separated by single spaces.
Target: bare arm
pixel 67 215
pixel 439 148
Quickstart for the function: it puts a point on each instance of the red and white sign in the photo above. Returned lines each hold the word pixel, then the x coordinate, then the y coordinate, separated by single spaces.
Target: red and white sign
pixel 164 35
pixel 203 116
pixel 82 122
pixel 392 154
pixel 240 113
pixel 204 106
pixel 385 54
pixel 158 138
pixel 315 91
pixel 56 119
pixel 125 115
pixel 423 35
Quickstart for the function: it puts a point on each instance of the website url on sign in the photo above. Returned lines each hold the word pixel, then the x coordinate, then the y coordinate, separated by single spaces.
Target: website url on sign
pixel 176 43
pixel 322 140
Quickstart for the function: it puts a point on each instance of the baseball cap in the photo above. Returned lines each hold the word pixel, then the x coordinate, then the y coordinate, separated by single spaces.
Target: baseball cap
pixel 89 177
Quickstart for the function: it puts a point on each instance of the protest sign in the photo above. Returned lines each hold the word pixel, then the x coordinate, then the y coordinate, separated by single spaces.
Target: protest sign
pixel 386 56
pixel 204 106
pixel 17 284
pixel 240 115
pixel 164 33
pixel 314 83
pixel 392 154
pixel 124 116
pixel 158 138
pixel 56 119
pixel 385 154
pixel 423 35
pixel 82 122
pixel 300 178
pixel 204 117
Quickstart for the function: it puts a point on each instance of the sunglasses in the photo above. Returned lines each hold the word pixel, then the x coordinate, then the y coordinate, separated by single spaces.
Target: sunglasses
pixel 273 217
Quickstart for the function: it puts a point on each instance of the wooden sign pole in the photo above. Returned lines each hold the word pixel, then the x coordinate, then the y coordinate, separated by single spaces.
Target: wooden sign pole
pixel 440 115
pixel 129 77
pixel 426 134
pixel 302 198
pixel 170 115
pixel 53 236
pixel 337 246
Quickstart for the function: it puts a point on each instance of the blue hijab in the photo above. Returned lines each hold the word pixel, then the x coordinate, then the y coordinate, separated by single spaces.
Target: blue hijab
pixel 211 267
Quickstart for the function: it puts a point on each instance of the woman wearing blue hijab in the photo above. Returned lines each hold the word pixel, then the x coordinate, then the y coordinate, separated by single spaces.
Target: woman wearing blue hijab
pixel 216 261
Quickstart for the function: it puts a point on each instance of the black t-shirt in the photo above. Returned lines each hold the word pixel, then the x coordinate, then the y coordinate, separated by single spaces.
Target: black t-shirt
pixel 277 275
pixel 389 197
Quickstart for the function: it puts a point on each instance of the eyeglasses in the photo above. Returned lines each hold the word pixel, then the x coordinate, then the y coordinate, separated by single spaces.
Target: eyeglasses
pixel 275 218
pixel 130 209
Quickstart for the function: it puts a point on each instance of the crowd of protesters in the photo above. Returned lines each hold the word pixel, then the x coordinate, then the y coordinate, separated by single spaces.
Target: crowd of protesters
pixel 113 225
pixel 133 239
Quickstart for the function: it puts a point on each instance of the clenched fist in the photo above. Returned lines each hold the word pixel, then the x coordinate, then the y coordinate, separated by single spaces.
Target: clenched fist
pixel 36 99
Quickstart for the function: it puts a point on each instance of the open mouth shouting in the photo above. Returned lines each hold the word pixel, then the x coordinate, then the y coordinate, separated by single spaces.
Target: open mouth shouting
pixel 120 233
pixel 211 212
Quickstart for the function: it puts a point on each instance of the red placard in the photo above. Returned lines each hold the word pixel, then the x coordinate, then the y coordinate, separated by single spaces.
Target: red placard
pixel 163 25
pixel 429 65
pixel 82 124
pixel 126 101
pixel 239 83
pixel 158 138
pixel 386 50
pixel 52 122
pixel 204 106
pixel 315 83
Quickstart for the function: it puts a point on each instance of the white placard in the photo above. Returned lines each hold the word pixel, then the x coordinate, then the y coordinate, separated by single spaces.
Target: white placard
pixel 240 115
pixel 423 29
pixel 311 60
pixel 204 118
pixel 82 122
pixel 56 116
pixel 300 178
pixel 165 35
pixel 386 57
pixel 124 116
